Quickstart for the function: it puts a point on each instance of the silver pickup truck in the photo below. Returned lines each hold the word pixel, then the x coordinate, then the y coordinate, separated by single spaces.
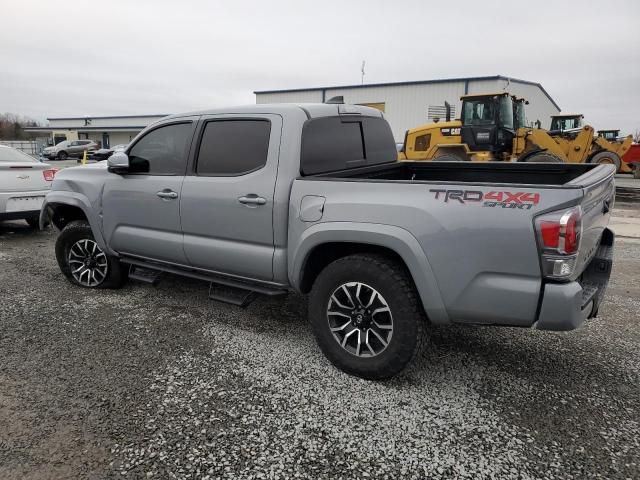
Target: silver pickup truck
pixel 271 198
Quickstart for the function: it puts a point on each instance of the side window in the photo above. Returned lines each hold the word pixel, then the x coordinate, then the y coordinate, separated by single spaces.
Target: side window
pixel 74 144
pixel 233 147
pixel 162 151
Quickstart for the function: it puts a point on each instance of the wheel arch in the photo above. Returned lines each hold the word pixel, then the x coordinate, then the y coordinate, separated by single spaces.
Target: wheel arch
pixel 65 207
pixel 326 242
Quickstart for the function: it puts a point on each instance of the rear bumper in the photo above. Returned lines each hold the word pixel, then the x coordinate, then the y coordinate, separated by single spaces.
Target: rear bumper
pixel 19 215
pixel 5 196
pixel 565 306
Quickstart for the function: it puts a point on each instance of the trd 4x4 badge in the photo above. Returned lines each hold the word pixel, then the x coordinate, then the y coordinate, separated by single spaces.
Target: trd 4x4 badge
pixel 503 199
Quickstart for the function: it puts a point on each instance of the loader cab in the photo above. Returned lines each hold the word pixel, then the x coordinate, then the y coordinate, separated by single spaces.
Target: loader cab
pixel 566 124
pixel 609 135
pixel 488 122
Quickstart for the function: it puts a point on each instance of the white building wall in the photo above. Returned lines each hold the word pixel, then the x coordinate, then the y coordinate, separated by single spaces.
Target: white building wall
pixel 308 96
pixel 405 105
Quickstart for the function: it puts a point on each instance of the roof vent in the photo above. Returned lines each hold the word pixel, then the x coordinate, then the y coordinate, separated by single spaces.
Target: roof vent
pixel 336 100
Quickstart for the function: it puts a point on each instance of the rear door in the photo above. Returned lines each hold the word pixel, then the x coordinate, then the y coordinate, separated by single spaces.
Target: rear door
pixel 141 209
pixel 227 197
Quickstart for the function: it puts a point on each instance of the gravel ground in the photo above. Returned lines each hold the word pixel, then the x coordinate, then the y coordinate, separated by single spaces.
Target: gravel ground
pixel 159 382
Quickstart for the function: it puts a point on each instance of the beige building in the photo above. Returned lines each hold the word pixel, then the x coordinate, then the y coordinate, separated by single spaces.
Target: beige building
pixel 106 131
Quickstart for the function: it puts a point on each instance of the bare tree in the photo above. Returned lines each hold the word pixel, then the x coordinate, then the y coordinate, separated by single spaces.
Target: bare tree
pixel 12 126
pixel 636 136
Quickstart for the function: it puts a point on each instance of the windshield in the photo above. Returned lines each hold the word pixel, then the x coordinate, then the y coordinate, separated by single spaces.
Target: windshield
pixel 12 155
pixel 560 123
pixel 479 111
pixel 520 115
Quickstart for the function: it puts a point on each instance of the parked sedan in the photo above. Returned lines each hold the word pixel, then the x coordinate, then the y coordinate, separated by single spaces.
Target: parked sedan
pixel 104 153
pixel 24 182
pixel 69 148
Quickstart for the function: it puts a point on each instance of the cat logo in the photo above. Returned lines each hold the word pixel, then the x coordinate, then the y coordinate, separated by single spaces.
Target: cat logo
pixel 448 131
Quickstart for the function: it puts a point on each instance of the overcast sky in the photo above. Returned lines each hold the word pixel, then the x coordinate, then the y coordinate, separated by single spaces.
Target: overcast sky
pixel 93 58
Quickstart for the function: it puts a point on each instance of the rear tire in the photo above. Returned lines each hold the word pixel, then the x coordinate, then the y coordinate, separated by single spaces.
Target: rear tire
pixel 607 158
pixel 542 158
pixel 82 260
pixel 62 155
pixel 394 312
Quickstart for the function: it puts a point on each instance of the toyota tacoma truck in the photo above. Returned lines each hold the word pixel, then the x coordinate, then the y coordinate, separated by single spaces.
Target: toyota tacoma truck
pixel 267 199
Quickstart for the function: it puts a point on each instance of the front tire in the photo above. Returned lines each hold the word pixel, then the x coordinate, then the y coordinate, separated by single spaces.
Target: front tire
pixel 366 316
pixel 83 261
pixel 607 158
pixel 62 155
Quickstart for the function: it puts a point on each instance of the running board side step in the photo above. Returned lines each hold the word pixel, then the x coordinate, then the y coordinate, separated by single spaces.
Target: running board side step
pixel 233 295
pixel 222 289
pixel 145 275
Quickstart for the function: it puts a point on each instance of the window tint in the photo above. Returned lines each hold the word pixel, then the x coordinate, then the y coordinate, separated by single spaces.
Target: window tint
pixel 161 151
pixel 337 143
pixel 233 147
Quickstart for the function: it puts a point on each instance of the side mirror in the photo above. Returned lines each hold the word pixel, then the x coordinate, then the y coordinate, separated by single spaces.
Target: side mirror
pixel 118 163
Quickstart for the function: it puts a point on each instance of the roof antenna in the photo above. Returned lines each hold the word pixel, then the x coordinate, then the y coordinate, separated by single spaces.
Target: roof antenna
pixel 362 71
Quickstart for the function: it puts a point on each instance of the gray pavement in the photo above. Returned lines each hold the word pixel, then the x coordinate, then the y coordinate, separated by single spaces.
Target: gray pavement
pixel 160 382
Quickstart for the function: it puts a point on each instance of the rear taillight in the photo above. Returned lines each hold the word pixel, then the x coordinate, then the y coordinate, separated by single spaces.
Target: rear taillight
pixel 49 174
pixel 559 234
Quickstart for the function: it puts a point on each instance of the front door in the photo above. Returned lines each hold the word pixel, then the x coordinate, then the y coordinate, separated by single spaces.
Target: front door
pixel 142 208
pixel 105 140
pixel 227 197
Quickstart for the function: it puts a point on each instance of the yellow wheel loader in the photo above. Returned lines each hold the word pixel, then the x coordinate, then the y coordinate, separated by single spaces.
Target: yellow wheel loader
pixel 493 128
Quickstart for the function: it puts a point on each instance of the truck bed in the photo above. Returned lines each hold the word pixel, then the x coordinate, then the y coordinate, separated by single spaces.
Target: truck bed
pixel 547 174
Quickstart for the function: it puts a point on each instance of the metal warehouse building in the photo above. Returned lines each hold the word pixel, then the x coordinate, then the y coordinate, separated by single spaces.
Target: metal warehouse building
pixel 409 104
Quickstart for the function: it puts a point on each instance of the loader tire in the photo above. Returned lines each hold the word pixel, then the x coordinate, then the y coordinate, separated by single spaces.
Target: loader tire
pixel 607 158
pixel 542 158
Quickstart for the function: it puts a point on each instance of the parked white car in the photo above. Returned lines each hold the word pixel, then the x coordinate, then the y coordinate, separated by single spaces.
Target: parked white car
pixel 24 182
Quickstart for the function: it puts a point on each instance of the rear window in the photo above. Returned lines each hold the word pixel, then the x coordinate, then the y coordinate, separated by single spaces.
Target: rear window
pixel 12 155
pixel 331 144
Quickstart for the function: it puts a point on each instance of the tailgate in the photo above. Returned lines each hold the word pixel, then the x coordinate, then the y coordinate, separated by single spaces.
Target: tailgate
pixel 599 194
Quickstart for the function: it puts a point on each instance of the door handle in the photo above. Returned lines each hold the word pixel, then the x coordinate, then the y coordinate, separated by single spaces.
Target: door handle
pixel 168 194
pixel 252 199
